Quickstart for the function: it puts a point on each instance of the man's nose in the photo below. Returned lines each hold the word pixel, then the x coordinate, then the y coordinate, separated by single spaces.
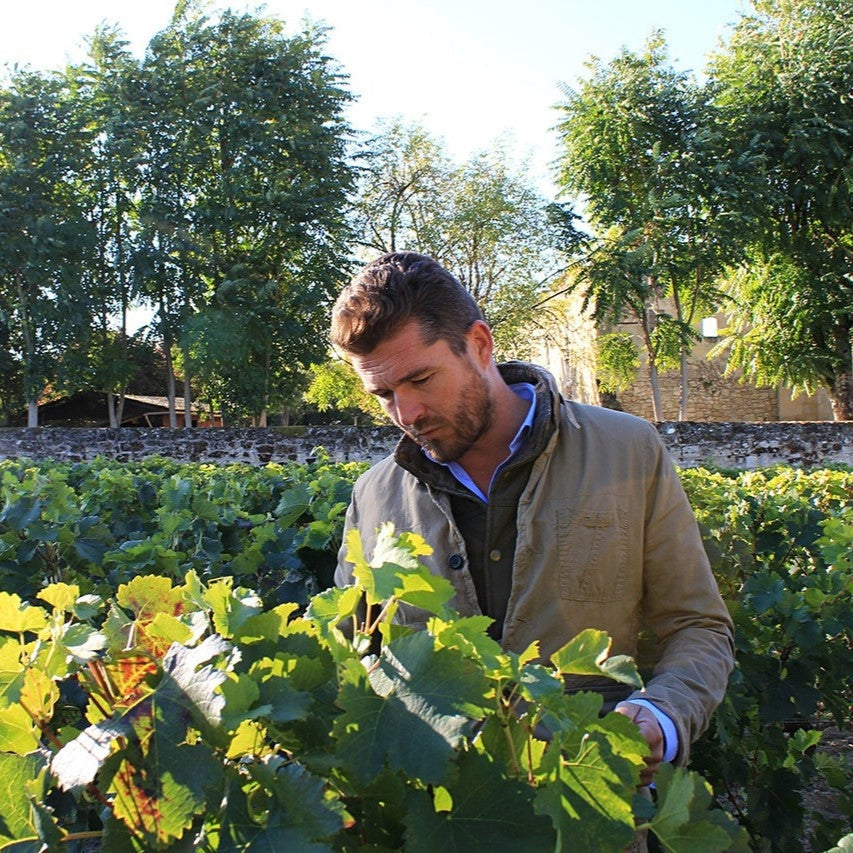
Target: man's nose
pixel 409 408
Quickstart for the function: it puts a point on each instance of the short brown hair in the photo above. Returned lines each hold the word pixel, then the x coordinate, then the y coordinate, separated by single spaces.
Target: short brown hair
pixel 395 289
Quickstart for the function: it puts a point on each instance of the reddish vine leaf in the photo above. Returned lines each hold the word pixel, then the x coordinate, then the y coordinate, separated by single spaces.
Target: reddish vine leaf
pixel 186 692
pixel 158 798
pixel 123 678
pixel 147 595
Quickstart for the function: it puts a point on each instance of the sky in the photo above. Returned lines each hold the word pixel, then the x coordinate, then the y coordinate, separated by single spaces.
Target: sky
pixel 472 71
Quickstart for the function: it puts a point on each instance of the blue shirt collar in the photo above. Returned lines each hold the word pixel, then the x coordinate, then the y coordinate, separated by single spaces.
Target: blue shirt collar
pixel 527 392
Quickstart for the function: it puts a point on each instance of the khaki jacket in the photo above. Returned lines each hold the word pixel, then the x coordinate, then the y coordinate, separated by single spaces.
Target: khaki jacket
pixel 606 539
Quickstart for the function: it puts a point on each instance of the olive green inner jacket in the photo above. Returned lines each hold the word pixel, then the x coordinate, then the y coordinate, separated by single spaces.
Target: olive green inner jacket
pixel 606 539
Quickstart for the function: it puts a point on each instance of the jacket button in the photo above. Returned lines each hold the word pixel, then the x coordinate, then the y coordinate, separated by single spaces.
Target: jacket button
pixel 455 561
pixel 495 555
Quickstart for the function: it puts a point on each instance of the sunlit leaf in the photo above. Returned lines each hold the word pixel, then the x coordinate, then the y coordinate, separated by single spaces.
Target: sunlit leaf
pixel 588 796
pixel 587 654
pixel 23 786
pixel 413 712
pixel 61 596
pixel 19 617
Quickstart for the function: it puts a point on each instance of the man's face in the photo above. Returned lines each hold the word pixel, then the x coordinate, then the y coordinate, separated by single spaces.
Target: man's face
pixel 437 397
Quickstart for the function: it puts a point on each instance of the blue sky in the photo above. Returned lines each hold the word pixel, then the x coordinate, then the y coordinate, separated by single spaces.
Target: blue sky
pixel 470 70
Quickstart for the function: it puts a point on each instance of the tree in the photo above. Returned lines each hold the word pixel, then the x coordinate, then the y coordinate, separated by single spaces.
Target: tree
pixel 403 188
pixel 44 235
pixel 244 196
pixel 637 150
pixel 104 94
pixel 335 385
pixel 482 219
pixel 782 92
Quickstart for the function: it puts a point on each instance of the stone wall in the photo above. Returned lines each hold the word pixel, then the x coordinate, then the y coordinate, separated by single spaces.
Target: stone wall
pixel 731 445
pixel 711 396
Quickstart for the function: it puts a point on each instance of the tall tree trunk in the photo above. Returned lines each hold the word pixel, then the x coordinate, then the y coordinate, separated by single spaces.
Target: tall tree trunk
pixel 841 391
pixel 657 407
pixel 29 352
pixel 841 397
pixel 682 404
pixel 682 356
pixel 111 410
pixel 647 323
pixel 170 373
pixel 262 417
pixel 188 403
pixel 171 391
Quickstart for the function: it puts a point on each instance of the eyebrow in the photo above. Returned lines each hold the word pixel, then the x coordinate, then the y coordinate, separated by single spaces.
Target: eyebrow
pixel 412 374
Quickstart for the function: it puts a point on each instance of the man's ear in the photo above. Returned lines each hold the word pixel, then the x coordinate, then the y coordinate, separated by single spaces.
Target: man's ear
pixel 480 342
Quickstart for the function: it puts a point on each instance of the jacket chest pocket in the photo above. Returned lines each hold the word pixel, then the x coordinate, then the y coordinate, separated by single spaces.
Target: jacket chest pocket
pixel 593 553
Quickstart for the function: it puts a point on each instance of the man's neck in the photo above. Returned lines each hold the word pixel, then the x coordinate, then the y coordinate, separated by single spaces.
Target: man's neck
pixel 493 448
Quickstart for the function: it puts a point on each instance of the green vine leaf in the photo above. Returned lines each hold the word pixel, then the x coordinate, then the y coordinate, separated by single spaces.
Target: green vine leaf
pixel 682 820
pixel 231 607
pixel 395 571
pixel 588 795
pixel 191 687
pixel 282 807
pixel 412 713
pixel 26 824
pixel 587 654
pixel 480 809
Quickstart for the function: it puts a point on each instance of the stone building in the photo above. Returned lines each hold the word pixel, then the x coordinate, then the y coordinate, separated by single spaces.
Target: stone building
pixel 566 344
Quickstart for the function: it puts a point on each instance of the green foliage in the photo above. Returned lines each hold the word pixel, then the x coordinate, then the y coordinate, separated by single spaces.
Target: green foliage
pixel 208 181
pixel 782 97
pixel 102 523
pixel 43 231
pixel 636 143
pixel 773 317
pixel 335 385
pixel 182 600
pixel 779 543
pixel 260 729
pixel 617 361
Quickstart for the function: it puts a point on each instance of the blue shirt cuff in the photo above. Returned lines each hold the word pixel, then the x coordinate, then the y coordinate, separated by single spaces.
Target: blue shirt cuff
pixel 670 734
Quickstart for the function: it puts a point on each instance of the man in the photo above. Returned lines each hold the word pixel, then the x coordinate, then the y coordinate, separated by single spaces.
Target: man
pixel 547 515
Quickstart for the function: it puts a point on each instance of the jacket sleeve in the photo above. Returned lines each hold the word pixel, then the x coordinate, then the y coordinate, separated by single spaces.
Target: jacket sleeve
pixel 683 607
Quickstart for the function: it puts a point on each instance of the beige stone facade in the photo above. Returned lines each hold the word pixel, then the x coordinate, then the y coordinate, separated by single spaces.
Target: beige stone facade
pixel 712 396
pixel 566 346
pixel 564 343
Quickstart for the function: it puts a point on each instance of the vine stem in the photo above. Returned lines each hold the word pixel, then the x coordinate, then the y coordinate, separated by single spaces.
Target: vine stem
pixel 373 625
pixel 82 836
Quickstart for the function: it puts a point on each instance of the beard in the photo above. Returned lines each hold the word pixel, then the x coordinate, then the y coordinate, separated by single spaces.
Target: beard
pixel 473 417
